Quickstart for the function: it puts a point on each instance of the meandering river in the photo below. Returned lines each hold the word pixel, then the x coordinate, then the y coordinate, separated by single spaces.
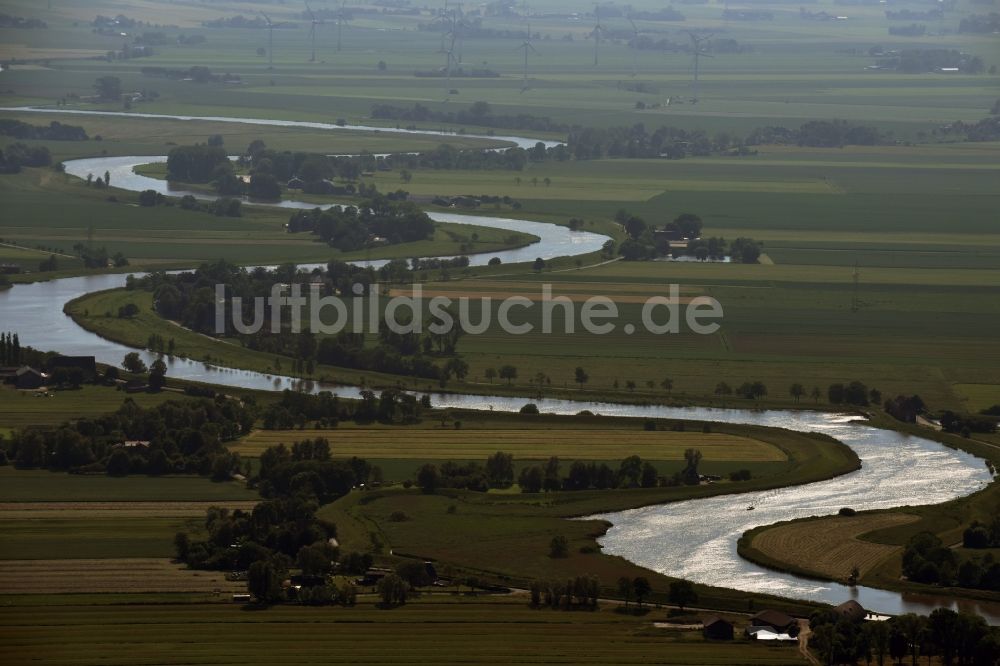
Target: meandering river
pixel 694 539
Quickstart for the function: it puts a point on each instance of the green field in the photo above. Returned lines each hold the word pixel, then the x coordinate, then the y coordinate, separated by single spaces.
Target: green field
pixel 30 485
pixel 23 408
pixel 446 631
pixel 82 537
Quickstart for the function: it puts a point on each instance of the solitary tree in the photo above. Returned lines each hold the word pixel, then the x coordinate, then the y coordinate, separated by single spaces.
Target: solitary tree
pixel 508 372
pixel 581 376
pixel 133 363
pixel 559 546
pixel 815 394
pixel 428 478
pixel 642 588
pixel 682 594
pixel 263 582
pixel 667 384
pixel 796 391
pixel 625 589
pixel 491 374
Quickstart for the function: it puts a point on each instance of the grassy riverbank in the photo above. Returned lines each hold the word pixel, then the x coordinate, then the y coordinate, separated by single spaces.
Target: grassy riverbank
pixel 874 540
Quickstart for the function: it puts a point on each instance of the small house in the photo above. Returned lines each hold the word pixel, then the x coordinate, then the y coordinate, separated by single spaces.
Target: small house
pixel 716 629
pixel 775 620
pixel 28 378
pixel 851 611
pixel 10 269
pixel 241 598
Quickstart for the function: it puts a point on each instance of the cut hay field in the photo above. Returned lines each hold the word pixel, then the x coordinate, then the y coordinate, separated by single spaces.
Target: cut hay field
pixel 530 444
pixel 459 631
pixel 828 547
pixel 109 576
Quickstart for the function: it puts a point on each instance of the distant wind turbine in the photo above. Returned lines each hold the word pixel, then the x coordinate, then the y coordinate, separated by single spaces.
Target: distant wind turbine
pixel 312 30
pixel 526 46
pixel 597 31
pixel 698 51
pixel 635 47
pixel 270 39
pixel 341 20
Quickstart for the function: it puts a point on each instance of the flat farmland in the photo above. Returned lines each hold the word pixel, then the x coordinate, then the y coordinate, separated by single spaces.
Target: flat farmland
pixel 109 576
pixel 77 536
pixel 23 408
pixel 531 444
pixel 829 547
pixel 480 630
pixel 40 487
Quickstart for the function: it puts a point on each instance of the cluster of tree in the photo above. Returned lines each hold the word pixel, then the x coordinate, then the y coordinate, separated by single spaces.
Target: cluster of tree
pixel 665 14
pixel 498 472
pixel 966 424
pixel 581 592
pixel 376 220
pixel 241 22
pixel 912 30
pixel 956 638
pixel 747 15
pixel 118 22
pixel 98 257
pixel 17 155
pixel 10 349
pixel 221 207
pixel 853 393
pixel 904 408
pixel 190 299
pixel 647 242
pixel 980 24
pixel 10 21
pixel 390 406
pixel 927 560
pixel 820 134
pixel 54 131
pixel 981 535
pixel 919 61
pixel 196 73
pixel 199 163
pixel 479 114
pixel 177 437
pixel 915 15
pixel 987 129
pixel 458 73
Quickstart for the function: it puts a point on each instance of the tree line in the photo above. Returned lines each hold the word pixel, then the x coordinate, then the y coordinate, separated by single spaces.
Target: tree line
pixel 955 638
pixel 499 472
pixel 176 437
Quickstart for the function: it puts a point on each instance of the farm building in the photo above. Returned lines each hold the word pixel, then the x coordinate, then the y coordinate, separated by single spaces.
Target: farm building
pixel 765 634
pixel 28 378
pixel 10 269
pixel 851 611
pixel 717 629
pixel 774 620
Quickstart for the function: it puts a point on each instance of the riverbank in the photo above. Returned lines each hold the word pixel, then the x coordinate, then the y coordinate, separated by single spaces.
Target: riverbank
pixel 505 536
pixel 886 543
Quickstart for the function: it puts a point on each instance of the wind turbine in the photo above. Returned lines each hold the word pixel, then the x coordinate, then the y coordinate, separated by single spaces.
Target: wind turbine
pixel 312 30
pixel 341 20
pixel 596 32
pixel 526 46
pixel 270 39
pixel 698 51
pixel 635 47
pixel 449 38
